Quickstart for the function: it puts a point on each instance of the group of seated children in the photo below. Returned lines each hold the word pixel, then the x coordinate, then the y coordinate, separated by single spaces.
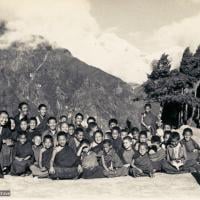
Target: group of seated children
pixel 43 147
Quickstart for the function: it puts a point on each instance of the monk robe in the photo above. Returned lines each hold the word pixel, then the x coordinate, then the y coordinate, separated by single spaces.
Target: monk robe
pixel 150 120
pixel 6 147
pixel 45 164
pixel 114 163
pixel 46 157
pixel 66 164
pixel 143 163
pixel 22 151
pixel 190 146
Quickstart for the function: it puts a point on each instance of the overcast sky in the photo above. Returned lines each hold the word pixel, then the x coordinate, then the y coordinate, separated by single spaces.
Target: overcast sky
pixel 118 36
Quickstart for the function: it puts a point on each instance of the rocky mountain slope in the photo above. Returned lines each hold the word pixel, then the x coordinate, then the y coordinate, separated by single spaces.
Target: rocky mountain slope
pixel 44 74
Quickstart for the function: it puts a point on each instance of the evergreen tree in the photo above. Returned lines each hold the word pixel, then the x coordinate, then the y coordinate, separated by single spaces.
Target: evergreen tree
pixel 186 61
pixel 161 68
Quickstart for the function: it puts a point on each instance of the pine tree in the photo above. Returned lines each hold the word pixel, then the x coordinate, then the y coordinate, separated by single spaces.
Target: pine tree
pixel 161 68
pixel 186 61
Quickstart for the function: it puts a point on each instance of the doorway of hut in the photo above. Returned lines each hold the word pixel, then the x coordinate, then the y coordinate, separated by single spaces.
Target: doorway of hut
pixel 198 91
pixel 170 113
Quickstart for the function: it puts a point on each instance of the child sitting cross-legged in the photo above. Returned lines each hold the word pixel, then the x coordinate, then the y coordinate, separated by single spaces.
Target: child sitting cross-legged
pixel 191 146
pixel 41 170
pixel 89 161
pixel 156 153
pixel 23 156
pixel 64 162
pixel 112 164
pixel 141 164
pixel 177 161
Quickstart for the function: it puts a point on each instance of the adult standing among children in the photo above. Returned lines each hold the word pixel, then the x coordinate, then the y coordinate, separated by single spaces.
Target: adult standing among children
pixel 149 120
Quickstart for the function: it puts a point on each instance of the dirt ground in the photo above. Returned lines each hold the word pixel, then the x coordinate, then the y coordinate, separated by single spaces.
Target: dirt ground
pixel 169 187
pixel 163 186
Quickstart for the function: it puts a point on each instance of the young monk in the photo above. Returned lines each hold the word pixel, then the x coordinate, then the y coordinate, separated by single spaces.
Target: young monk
pixel 112 164
pixel 64 163
pixel 23 127
pixel 78 120
pixel 23 109
pixel 89 161
pixel 74 142
pixel 41 170
pixel 13 129
pixel 52 125
pixel 191 146
pixel 177 161
pixel 156 153
pixel 65 128
pixel 97 144
pixel 71 130
pixel 42 118
pixel 112 123
pixel 128 152
pixel 148 120
pixel 23 156
pixel 141 164
pixel 32 129
pixel 134 134
pixel 116 139
pixel 37 141
pixel 166 139
pixel 123 133
pixel 142 139
pixel 89 133
pixel 6 143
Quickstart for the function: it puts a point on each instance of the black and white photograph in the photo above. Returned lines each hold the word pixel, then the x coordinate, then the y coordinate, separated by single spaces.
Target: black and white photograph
pixel 100 99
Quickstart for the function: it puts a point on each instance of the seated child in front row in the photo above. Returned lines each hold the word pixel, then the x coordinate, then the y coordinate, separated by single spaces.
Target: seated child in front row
pixel 141 164
pixel 64 162
pixel 156 153
pixel 23 156
pixel 89 161
pixel 113 166
pixel 41 170
pixel 191 146
pixel 177 161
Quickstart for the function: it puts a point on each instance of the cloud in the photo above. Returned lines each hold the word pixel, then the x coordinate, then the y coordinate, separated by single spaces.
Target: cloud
pixel 70 25
pixel 174 38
